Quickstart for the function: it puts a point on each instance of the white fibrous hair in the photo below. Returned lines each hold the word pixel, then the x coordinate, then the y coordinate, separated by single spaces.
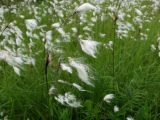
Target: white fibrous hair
pixel 49 35
pixel 31 24
pixel 155 5
pixel 66 67
pixel 68 99
pixel 129 118
pixel 15 61
pixel 138 12
pixel 49 45
pixel 1 12
pixel 89 47
pixel 85 7
pixel 123 29
pixel 52 90
pixel 153 48
pixel 116 109
pixel 56 25
pixel 64 82
pixel 82 70
pixel 109 45
pixel 59 29
pixel 78 87
pixel 107 98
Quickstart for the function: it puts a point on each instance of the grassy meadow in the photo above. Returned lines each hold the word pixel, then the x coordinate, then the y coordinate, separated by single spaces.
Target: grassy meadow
pixel 37 37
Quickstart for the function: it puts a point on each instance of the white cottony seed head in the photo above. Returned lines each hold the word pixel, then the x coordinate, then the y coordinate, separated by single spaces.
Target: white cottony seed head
pixel 130 118
pixel 69 100
pixel 31 24
pixel 89 47
pixel 85 7
pixel 66 67
pixel 108 98
pixel 82 70
pixel 116 108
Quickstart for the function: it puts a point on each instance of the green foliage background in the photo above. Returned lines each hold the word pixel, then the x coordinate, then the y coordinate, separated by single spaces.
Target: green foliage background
pixel 136 84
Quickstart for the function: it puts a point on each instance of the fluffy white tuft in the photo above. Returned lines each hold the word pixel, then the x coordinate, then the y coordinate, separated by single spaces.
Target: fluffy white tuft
pixel 85 7
pixel 108 98
pixel 129 118
pixel 59 29
pixel 16 61
pixel 52 90
pixel 116 108
pixel 68 99
pixel 16 70
pixel 138 12
pixel 78 87
pixel 89 47
pixel 64 82
pixel 66 67
pixel 82 70
pixel 31 24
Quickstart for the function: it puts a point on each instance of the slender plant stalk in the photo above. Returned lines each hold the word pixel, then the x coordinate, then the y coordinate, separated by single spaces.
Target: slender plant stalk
pixel 46 71
pixel 46 63
pixel 114 40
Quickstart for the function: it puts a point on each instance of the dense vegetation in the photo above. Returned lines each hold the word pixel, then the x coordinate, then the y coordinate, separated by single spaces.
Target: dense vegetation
pixel 67 60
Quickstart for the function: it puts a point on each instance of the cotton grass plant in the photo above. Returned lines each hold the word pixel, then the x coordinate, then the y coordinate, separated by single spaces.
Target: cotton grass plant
pixel 79 59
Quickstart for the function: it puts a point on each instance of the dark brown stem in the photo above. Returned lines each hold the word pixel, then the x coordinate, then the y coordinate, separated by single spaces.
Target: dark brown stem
pixel 46 63
pixel 46 70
